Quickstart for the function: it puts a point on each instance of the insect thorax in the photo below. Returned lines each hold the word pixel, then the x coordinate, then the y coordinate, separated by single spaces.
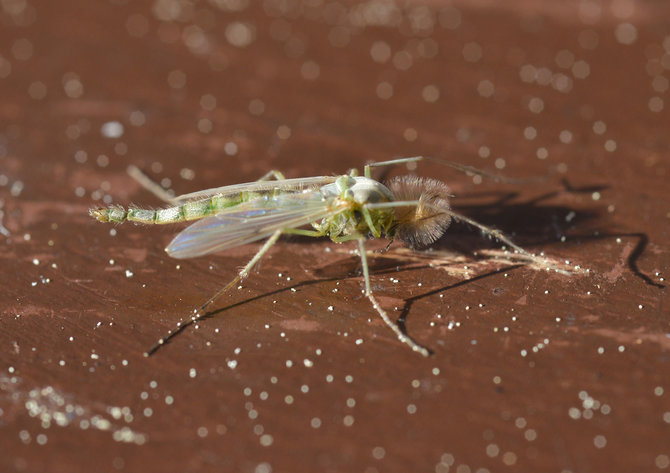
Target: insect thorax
pixel 348 196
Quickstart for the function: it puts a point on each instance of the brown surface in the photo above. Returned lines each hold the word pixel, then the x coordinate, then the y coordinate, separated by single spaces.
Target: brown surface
pixel 550 373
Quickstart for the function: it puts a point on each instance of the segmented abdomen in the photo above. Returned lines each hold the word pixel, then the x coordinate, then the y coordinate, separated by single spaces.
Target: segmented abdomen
pixel 180 213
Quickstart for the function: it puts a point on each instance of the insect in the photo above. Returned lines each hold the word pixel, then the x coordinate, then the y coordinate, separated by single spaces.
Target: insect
pixel 348 207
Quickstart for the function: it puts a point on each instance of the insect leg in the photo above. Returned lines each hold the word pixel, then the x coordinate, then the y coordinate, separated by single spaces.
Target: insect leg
pixel 470 170
pixel 146 182
pixel 164 195
pixel 498 235
pixel 304 232
pixel 199 313
pixel 392 162
pixel 403 337
pixel 270 174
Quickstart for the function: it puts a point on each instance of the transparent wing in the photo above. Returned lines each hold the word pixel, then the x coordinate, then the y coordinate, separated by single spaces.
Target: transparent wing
pixel 248 222
pixel 287 185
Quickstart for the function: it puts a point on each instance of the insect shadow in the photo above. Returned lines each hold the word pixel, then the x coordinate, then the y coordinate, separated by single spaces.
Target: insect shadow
pixel 534 224
pixel 344 275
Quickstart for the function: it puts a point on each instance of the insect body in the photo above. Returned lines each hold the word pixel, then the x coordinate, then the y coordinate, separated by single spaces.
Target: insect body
pixel 413 210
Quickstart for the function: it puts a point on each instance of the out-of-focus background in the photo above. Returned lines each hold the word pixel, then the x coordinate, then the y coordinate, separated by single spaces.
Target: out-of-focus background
pixel 532 370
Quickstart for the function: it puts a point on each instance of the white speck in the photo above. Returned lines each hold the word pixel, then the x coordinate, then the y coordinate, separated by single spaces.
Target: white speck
pixel 232 364
pixel 230 148
pixel 112 129
pixel 192 373
pixel 378 453
pixel 239 34
pixel 15 190
pixel 24 435
pixel 129 273
pixel 330 308
pixel 625 33
pixel 308 363
pixel 662 461
pixel 263 468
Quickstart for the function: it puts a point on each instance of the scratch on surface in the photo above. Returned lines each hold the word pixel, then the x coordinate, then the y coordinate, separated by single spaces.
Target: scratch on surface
pixel 301 325
pixel 635 337
pixel 136 255
pixel 620 267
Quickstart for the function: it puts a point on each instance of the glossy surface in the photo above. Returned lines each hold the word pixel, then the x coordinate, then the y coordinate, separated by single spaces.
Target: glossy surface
pixel 532 371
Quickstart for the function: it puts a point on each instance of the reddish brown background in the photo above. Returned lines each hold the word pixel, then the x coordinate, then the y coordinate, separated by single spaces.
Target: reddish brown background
pixel 532 371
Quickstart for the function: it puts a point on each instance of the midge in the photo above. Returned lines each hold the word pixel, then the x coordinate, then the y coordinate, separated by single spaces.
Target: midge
pixel 349 207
